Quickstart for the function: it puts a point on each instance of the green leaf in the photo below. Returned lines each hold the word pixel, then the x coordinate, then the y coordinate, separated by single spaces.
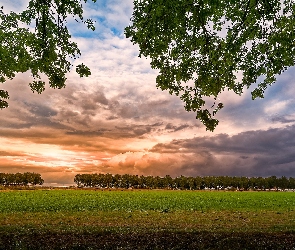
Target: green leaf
pixel 3 95
pixel 83 70
pixel 38 86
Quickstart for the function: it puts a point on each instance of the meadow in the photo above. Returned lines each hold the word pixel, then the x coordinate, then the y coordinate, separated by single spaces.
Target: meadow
pixel 146 219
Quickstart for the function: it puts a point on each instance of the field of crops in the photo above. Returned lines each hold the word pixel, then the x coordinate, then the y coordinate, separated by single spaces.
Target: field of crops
pixel 83 200
pixel 146 219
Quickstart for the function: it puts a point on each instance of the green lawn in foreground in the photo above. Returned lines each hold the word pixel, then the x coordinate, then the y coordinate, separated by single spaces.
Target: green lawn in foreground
pixel 83 200
pixel 90 212
pixel 177 210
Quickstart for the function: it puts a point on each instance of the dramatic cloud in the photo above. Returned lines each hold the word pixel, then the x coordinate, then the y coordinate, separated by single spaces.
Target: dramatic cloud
pixel 117 121
pixel 251 153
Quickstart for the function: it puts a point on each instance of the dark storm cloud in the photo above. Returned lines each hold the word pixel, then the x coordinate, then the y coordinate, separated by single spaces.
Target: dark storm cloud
pixel 16 124
pixel 42 110
pixel 99 97
pixel 134 103
pixel 269 152
pixel 112 117
pixel 87 133
pixel 86 101
pixel 282 119
pixel 243 112
pixel 269 141
pixel 174 128
pixel 134 130
pixel 92 101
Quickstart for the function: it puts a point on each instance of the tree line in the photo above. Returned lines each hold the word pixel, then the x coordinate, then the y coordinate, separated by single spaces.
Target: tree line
pixel 183 182
pixel 19 179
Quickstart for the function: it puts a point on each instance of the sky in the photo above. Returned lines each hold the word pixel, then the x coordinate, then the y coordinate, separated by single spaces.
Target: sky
pixel 116 120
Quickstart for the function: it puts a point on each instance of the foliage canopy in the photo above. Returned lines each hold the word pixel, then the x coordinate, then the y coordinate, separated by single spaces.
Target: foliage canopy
pixel 199 47
pixel 44 46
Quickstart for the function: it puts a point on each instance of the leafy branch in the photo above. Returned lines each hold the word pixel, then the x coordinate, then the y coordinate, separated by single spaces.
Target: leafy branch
pixel 47 49
pixel 187 42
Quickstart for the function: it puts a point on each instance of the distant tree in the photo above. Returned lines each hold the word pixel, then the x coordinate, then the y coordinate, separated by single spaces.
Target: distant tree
pixel 117 180
pixel 271 182
pixel 283 182
pixel 198 182
pixel 180 182
pixel 78 180
pixel 2 178
pixel 26 178
pixel 168 182
pixel 244 183
pixel 149 181
pixel 19 179
pixel 9 179
pixel 157 182
pixel 141 181
pixel 95 180
pixel 36 179
pixel 191 183
pixel 199 47
pixel 291 183
pixel 126 181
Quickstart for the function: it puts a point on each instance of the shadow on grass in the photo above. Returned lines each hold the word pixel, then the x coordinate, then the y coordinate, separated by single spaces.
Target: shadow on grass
pixel 157 240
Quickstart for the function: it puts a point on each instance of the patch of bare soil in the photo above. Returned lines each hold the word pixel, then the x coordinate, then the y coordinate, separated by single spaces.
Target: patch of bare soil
pixel 157 240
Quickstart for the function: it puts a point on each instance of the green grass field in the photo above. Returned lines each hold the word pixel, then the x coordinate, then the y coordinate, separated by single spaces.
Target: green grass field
pixel 146 219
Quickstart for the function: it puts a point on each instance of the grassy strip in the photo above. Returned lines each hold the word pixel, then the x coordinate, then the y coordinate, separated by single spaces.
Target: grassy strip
pixel 74 201
pixel 150 221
